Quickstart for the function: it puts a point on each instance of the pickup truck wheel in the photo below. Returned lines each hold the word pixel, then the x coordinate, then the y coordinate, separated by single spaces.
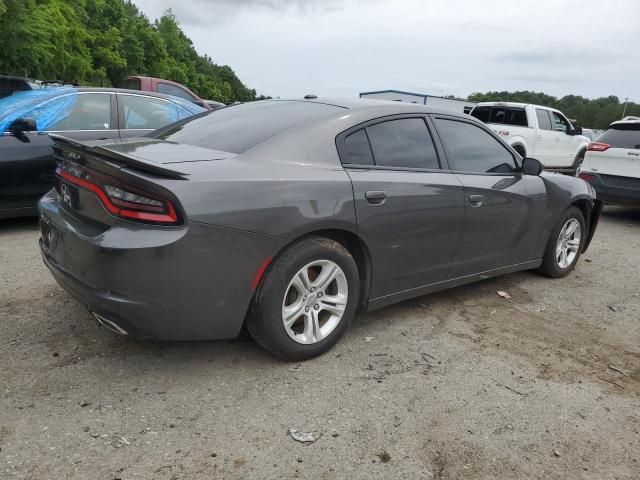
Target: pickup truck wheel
pixel 565 244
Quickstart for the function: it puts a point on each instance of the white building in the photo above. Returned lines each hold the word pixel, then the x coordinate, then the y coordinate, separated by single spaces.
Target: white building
pixel 461 106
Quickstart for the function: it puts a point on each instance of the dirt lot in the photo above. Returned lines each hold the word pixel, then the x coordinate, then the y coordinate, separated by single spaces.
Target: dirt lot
pixel 462 384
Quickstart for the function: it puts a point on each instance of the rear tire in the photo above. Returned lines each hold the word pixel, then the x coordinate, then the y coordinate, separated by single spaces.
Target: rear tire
pixel 565 244
pixel 306 300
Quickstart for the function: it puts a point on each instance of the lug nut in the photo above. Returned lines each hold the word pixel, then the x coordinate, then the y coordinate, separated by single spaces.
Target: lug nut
pixel 319 294
pixel 316 306
pixel 304 298
pixel 306 309
pixel 313 289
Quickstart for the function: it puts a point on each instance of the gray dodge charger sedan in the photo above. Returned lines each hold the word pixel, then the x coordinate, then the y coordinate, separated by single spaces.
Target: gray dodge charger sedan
pixel 288 216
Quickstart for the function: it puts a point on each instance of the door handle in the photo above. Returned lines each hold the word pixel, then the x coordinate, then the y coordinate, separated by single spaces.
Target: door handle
pixel 476 200
pixel 376 197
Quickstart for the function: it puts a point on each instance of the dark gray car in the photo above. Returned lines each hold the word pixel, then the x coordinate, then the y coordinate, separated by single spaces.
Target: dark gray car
pixel 289 216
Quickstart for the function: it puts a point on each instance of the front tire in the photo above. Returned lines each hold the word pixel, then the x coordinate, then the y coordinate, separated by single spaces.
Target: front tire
pixel 306 301
pixel 565 244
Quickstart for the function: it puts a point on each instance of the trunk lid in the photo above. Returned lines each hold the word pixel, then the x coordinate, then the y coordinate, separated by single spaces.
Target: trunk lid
pixel 159 157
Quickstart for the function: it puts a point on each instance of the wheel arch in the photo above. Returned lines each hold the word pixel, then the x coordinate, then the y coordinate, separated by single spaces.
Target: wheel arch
pixel 349 240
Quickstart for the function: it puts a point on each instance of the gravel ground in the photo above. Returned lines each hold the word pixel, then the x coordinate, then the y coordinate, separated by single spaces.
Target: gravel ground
pixel 460 384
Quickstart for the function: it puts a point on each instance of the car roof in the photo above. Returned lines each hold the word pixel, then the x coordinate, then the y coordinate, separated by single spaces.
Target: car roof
pixel 384 107
pixel 626 121
pixel 123 90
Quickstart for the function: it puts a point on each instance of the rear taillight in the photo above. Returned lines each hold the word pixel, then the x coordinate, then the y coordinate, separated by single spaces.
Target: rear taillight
pixel 598 147
pixel 118 199
pixel 587 177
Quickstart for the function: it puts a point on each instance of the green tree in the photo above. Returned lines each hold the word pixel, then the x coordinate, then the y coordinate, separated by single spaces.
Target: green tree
pixel 100 42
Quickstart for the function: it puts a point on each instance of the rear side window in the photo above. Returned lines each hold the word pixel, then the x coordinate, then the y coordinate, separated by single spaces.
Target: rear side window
pixel 358 149
pixel 544 121
pixel 516 116
pixel 482 113
pixel 238 128
pixel 403 143
pixel 502 115
pixel 622 136
pixel 471 149
pixel 149 113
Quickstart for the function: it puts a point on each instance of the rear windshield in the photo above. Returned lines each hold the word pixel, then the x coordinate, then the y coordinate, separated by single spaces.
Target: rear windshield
pixel 238 128
pixel 622 136
pixel 501 115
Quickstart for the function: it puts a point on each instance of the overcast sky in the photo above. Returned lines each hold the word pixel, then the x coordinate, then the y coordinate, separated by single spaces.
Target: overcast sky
pixel 342 47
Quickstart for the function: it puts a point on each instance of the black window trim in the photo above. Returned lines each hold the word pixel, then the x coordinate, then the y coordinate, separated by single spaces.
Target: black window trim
pixel 342 152
pixel 482 126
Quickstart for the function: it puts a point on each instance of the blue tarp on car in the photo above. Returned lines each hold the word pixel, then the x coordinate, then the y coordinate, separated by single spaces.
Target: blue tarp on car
pixel 46 106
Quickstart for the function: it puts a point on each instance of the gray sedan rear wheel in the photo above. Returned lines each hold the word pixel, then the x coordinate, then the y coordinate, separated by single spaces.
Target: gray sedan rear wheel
pixel 306 300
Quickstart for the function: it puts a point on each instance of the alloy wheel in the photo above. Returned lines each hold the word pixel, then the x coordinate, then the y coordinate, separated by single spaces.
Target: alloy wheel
pixel 568 243
pixel 315 301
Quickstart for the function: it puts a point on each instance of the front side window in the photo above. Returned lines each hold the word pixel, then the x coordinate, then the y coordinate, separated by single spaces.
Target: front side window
pixel 403 143
pixel 544 121
pixel 149 113
pixel 91 111
pixel 471 149
pixel 560 123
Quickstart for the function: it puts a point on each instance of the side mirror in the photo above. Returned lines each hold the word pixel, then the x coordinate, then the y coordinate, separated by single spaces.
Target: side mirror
pixel 576 131
pixel 531 166
pixel 22 125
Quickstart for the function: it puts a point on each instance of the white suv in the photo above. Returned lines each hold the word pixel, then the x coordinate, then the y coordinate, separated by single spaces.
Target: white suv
pixel 612 163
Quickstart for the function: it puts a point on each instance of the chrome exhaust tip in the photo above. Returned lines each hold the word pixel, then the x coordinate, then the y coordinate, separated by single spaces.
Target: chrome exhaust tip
pixel 105 322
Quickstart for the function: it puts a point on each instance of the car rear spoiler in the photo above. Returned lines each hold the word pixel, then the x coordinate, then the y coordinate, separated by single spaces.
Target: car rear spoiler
pixel 65 148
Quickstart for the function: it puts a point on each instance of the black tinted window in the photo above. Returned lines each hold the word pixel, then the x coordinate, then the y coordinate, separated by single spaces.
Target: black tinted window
pixel 544 121
pixel 403 143
pixel 622 136
pixel 497 115
pixel 471 149
pixel 482 113
pixel 238 128
pixel 516 116
pixel 358 149
pixel 130 83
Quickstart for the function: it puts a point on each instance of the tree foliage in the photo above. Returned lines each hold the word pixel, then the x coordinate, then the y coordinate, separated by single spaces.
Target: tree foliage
pixel 100 42
pixel 592 113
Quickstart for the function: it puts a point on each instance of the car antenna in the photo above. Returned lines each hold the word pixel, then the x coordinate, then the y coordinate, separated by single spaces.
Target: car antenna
pixel 310 96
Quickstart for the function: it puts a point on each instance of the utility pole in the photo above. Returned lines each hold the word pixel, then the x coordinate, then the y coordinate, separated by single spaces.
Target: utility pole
pixel 624 111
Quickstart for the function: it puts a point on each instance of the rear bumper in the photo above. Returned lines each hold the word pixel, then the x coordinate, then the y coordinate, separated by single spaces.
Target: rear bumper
pixel 178 283
pixel 616 189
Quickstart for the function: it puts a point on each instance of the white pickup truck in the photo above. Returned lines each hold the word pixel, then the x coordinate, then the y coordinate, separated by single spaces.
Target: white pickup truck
pixel 535 131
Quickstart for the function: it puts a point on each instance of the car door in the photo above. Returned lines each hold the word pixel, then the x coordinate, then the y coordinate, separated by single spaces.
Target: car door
pixel 409 210
pixel 141 114
pixel 566 145
pixel 27 159
pixel 502 206
pixel 544 147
